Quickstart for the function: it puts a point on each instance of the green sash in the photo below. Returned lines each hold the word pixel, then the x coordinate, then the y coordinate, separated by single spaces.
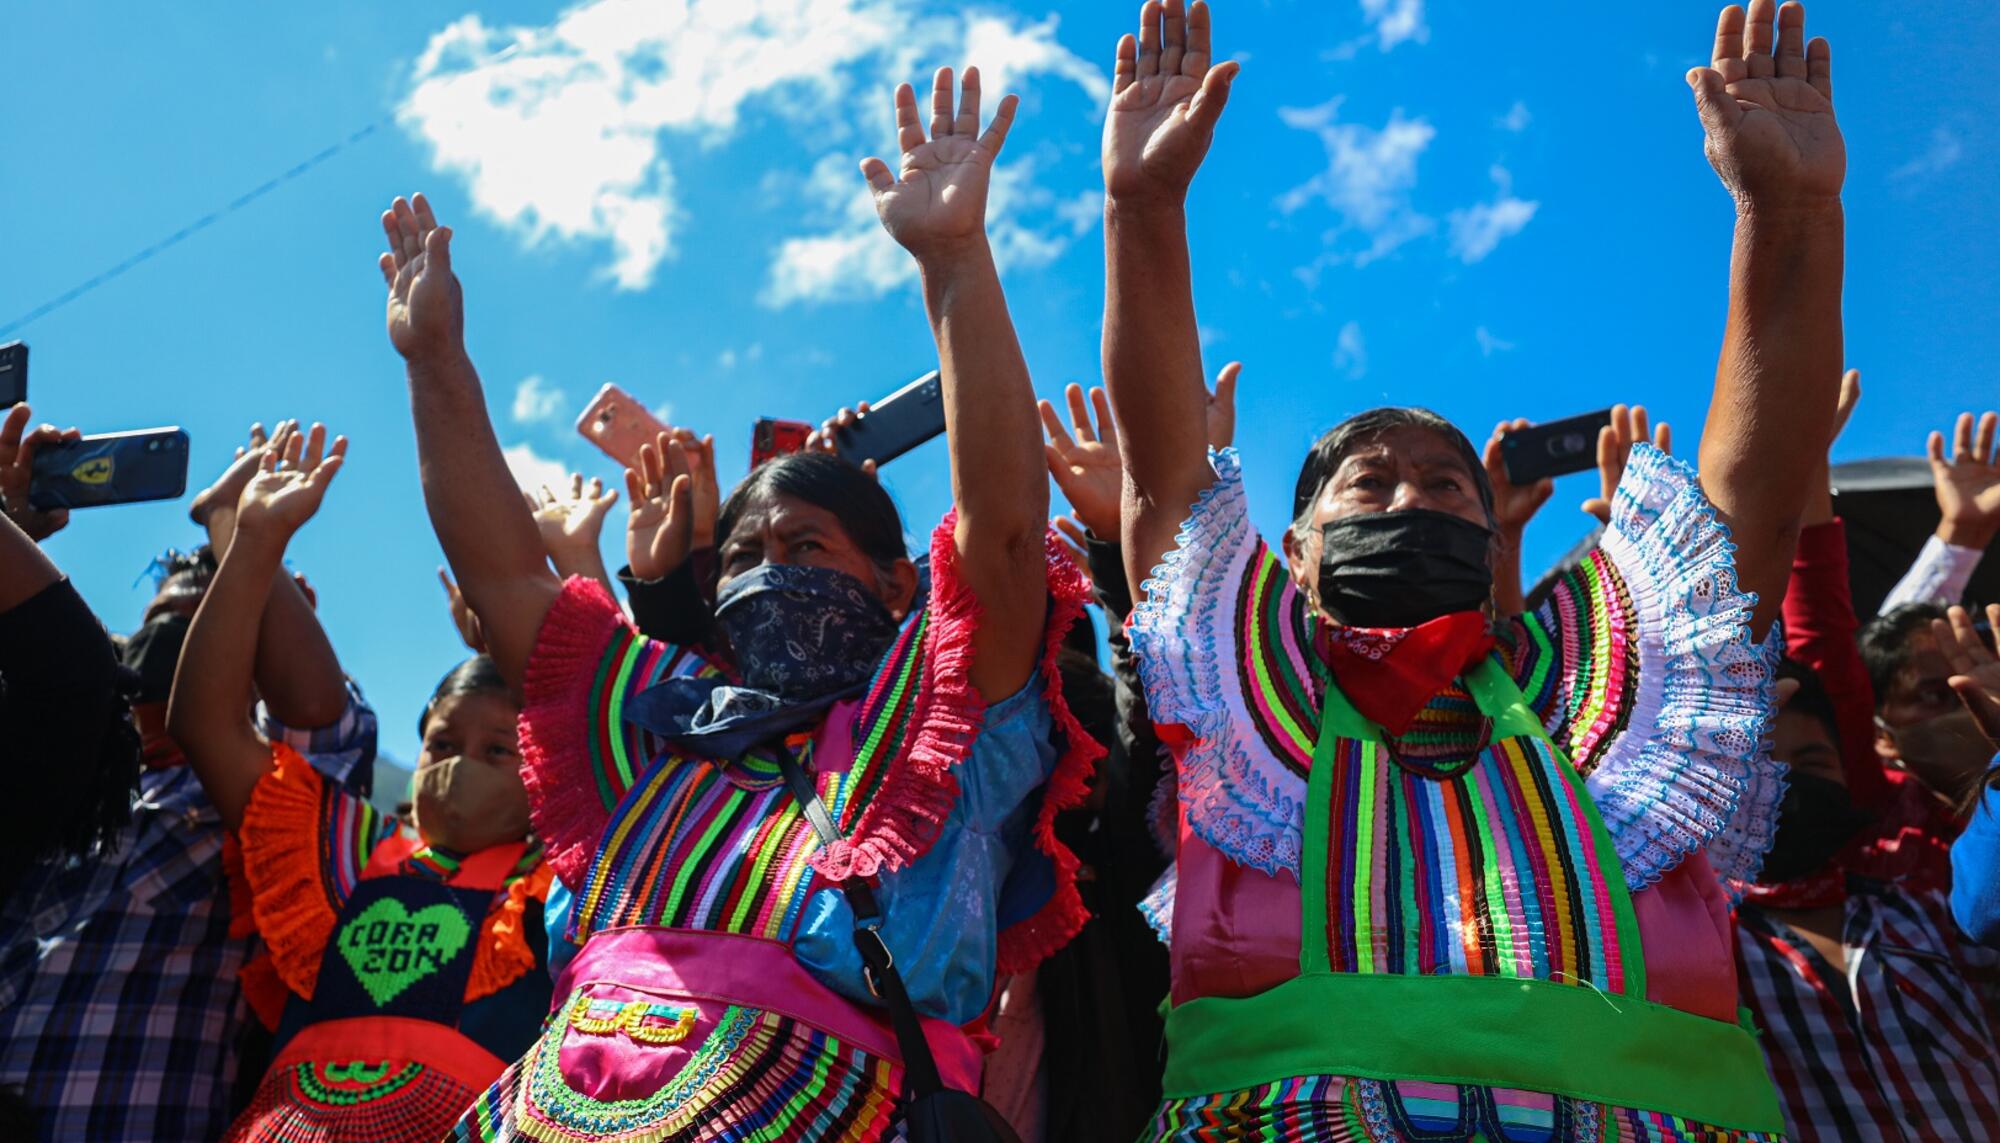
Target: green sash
pixel 1535 1035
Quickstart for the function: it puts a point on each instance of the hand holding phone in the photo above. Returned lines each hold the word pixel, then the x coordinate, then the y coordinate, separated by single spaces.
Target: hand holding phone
pixel 1557 448
pixel 895 424
pixel 17 454
pixel 110 468
pixel 620 424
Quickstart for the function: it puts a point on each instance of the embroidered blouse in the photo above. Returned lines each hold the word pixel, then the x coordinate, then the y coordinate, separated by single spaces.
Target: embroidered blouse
pixel 1640 667
pixel 952 804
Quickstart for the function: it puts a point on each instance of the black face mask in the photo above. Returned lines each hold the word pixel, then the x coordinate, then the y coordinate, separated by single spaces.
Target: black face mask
pixel 153 651
pixel 1400 569
pixel 1815 819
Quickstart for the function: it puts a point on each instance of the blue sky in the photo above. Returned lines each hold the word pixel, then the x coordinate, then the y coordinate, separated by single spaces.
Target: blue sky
pixel 1437 203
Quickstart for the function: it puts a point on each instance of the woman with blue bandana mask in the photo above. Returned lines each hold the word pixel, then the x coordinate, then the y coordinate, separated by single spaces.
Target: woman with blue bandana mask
pixel 719 992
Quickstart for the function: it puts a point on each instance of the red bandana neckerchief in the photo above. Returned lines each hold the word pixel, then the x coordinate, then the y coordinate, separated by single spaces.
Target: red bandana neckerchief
pixel 1817 890
pixel 1390 673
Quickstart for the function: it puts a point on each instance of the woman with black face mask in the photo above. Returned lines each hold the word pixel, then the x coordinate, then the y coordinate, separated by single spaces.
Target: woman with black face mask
pixel 1438 876
pixel 1861 987
pixel 852 762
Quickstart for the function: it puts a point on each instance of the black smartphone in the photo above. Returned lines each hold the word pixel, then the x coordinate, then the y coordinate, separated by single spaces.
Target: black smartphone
pixel 895 424
pixel 13 374
pixel 111 468
pixel 1555 449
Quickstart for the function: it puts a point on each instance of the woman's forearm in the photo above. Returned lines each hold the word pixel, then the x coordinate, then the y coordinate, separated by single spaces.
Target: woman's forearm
pixel 208 713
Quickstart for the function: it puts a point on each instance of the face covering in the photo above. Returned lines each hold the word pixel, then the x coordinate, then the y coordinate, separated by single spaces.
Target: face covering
pixel 1815 819
pixel 1402 569
pixel 466 806
pixel 802 639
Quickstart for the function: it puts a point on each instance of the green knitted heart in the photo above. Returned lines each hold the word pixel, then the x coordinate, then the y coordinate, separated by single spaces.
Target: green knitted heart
pixel 389 948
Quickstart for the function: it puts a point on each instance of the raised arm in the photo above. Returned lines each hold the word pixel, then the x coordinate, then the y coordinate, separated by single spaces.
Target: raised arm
pixel 935 206
pixel 298 675
pixel 209 711
pixel 1164 105
pixel 487 534
pixel 1766 104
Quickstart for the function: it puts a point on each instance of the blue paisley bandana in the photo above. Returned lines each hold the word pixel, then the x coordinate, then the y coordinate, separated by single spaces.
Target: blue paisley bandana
pixel 802 639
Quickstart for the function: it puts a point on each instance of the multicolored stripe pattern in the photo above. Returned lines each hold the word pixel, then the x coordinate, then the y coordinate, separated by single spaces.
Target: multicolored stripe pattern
pixel 755 1076
pixel 1341 1109
pixel 699 844
pixel 348 831
pixel 1282 680
pixel 390 1101
pixel 1576 659
pixel 1490 872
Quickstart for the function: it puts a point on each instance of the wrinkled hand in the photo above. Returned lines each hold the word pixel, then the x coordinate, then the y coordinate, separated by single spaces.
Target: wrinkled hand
pixel 707 490
pixel 426 306
pixel 17 473
pixel 659 534
pixel 823 438
pixel 1165 101
pixel 573 520
pixel 1513 505
pixel 1968 484
pixel 1222 407
pixel 290 483
pixel 936 205
pixel 1766 106
pixel 462 617
pixel 1975 666
pixel 228 488
pixel 1614 451
pixel 1085 461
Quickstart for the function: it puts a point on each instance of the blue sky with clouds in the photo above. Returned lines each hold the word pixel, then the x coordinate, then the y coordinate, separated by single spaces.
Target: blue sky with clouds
pixel 1454 204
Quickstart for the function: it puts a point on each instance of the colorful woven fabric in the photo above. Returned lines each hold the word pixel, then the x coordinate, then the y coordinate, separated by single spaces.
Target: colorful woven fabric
pixel 1336 1109
pixel 380 1101
pixel 754 1075
pixel 1640 665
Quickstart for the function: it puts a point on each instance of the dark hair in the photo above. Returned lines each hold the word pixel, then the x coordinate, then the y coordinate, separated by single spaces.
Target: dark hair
pixel 89 816
pixel 826 481
pixel 1885 643
pixel 1361 428
pixel 477 675
pixel 1811 699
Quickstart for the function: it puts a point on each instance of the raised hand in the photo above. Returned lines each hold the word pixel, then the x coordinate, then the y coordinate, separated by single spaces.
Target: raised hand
pixel 706 489
pixel 822 439
pixel 1165 100
pixel 1222 407
pixel 1968 484
pixel 17 473
pixel 228 488
pixel 1975 666
pixel 1513 505
pixel 462 616
pixel 1085 461
pixel 572 521
pixel 935 205
pixel 1766 105
pixel 290 483
pixel 660 531
pixel 426 307
pixel 1614 450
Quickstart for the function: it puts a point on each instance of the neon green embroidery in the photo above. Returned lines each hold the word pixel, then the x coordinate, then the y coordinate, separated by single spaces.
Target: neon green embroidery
pixel 389 948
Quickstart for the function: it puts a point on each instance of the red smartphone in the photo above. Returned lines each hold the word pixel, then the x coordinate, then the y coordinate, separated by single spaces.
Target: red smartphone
pixel 771 439
pixel 620 424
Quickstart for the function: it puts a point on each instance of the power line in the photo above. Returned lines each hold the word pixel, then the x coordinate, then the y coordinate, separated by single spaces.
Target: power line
pixel 191 229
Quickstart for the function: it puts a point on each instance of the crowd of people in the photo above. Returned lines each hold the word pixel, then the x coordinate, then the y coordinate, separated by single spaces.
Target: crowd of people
pixel 787 831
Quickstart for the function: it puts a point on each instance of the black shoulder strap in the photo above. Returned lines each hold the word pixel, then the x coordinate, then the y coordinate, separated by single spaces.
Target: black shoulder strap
pixel 920 1071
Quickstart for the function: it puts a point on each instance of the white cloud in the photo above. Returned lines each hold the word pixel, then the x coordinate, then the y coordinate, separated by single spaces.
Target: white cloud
pixel 1477 229
pixel 531 469
pixel 1944 152
pixel 568 131
pixel 1516 119
pixel 537 400
pixel 1396 21
pixel 1350 352
pixel 1489 344
pixel 1367 181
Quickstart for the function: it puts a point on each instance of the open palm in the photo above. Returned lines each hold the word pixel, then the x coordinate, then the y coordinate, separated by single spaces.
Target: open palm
pixel 938 200
pixel 426 309
pixel 659 534
pixel 291 482
pixel 1164 104
pixel 1968 484
pixel 1766 104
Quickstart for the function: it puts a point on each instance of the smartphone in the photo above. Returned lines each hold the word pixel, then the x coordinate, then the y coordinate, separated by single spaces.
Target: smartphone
pixel 13 374
pixel 618 423
pixel 1554 449
pixel 771 438
pixel 895 424
pixel 110 468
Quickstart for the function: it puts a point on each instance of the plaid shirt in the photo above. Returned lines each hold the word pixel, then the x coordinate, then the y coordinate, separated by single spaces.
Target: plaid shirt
pixel 1900 1048
pixel 119 1003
